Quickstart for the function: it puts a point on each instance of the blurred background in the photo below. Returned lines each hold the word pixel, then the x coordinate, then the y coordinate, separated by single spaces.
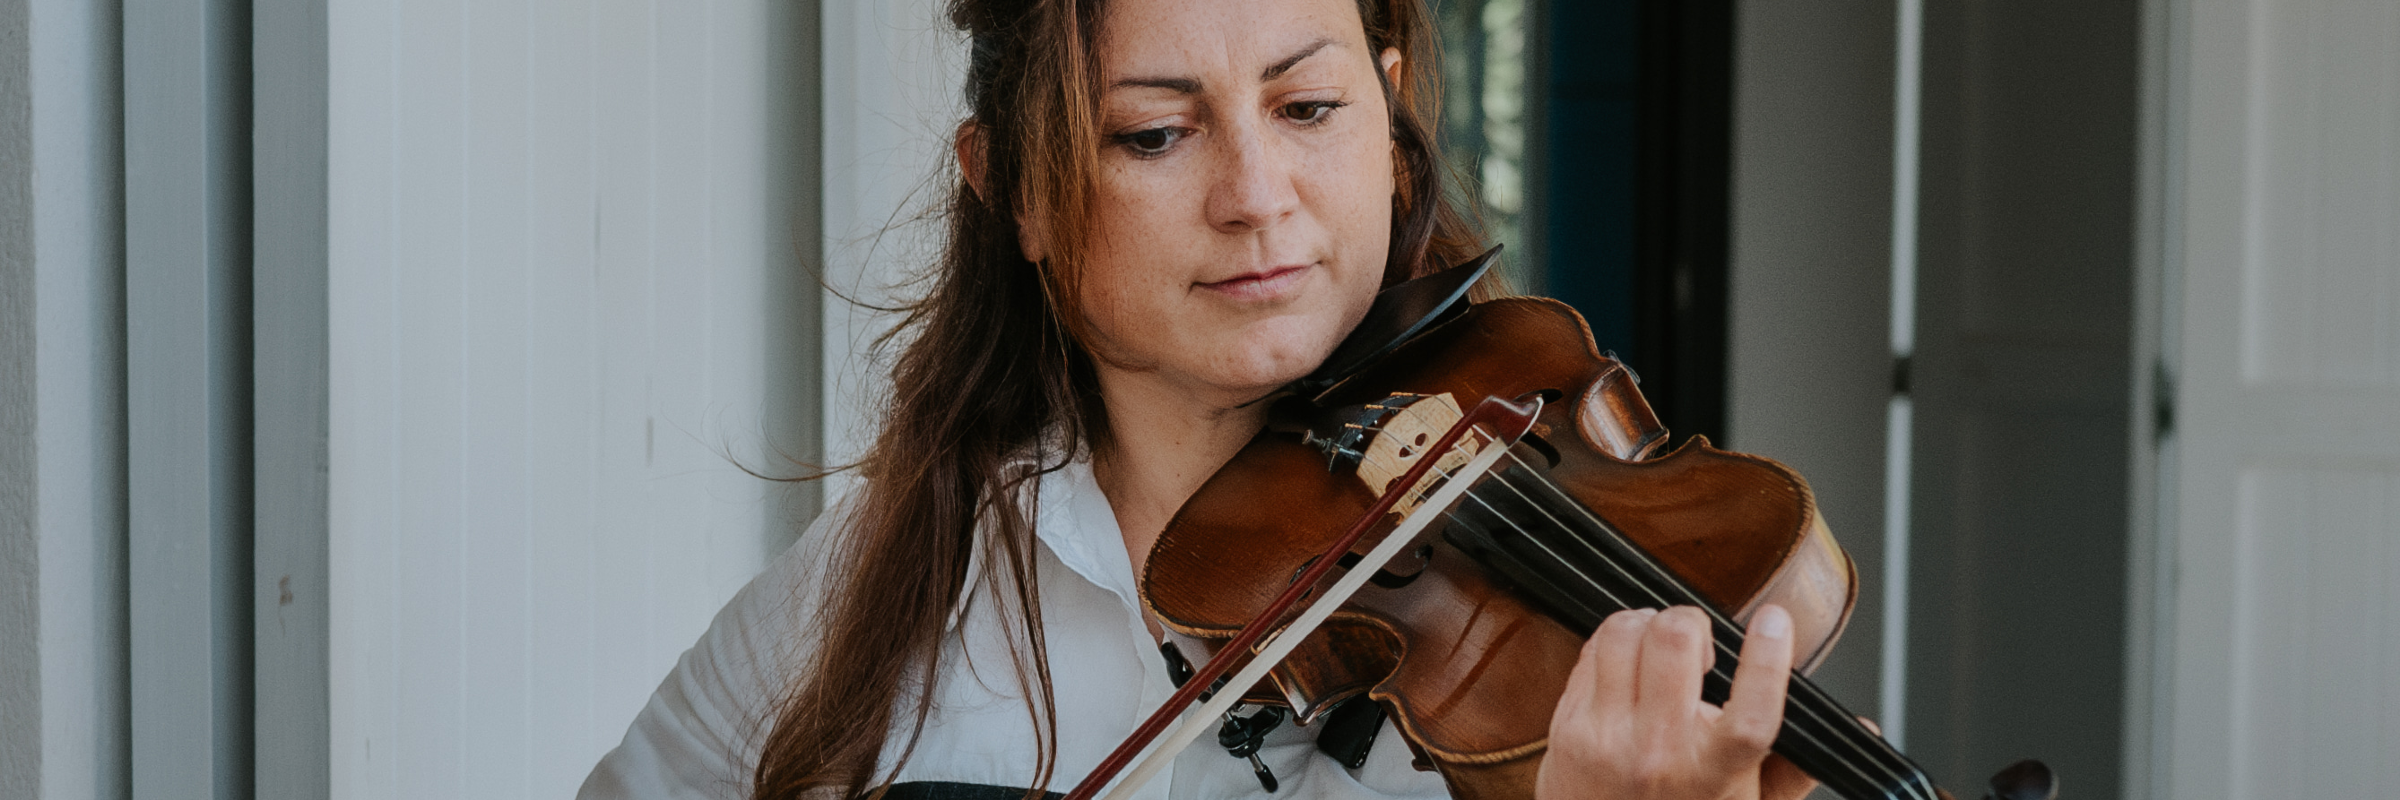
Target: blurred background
pixel 380 381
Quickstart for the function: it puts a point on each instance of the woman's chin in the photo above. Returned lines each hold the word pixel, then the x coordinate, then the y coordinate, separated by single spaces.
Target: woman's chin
pixel 1268 369
pixel 1231 365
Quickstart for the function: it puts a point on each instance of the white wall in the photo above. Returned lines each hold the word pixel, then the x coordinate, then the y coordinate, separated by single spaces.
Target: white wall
pixel 2279 193
pixel 568 293
pixel 62 505
pixel 893 72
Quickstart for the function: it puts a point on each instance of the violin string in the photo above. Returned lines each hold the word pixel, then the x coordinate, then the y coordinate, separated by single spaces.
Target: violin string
pixel 1719 668
pixel 1726 655
pixel 1809 699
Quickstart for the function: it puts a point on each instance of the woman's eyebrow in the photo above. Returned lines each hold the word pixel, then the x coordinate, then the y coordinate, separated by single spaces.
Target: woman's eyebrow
pixel 1176 85
pixel 1192 86
pixel 1280 67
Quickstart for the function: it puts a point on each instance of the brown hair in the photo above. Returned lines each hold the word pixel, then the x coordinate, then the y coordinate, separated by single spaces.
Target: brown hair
pixel 991 388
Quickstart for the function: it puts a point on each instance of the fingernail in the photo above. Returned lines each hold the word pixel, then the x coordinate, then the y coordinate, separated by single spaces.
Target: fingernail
pixel 1774 622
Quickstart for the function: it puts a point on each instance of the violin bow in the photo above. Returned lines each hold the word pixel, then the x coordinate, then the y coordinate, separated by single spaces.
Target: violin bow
pixel 1517 419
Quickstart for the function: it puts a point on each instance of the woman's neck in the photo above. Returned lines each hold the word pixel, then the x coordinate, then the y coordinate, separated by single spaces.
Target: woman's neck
pixel 1163 444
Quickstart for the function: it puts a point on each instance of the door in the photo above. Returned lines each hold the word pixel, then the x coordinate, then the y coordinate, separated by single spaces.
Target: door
pixel 2281 482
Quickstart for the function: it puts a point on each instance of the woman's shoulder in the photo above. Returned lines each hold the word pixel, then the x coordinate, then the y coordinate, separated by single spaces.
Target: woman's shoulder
pixel 700 731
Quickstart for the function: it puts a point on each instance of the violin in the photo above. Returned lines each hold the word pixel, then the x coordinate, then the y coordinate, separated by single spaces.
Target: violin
pixel 1496 540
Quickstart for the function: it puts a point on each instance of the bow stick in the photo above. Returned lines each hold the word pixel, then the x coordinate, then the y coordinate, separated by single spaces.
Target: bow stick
pixel 1493 411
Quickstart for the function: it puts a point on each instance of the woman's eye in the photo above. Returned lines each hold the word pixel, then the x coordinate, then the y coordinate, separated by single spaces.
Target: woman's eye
pixel 1312 112
pixel 1150 142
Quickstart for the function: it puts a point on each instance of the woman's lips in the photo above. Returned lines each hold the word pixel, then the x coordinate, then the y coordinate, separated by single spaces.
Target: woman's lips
pixel 1261 285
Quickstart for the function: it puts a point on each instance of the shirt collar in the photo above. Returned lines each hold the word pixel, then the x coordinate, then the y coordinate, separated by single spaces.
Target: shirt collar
pixel 1072 517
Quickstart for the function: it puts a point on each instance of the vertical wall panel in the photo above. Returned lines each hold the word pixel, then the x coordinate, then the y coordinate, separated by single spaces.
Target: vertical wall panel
pixel 2325 145
pixel 64 692
pixel 560 493
pixel 429 97
pixel 677 460
pixel 624 170
pixel 764 83
pixel 563 322
pixel 494 551
pixel 361 528
pixel 2317 690
pixel 287 592
pixel 892 77
pixel 1810 359
pixel 2021 384
pixel 2278 621
pixel 20 483
pixel 188 408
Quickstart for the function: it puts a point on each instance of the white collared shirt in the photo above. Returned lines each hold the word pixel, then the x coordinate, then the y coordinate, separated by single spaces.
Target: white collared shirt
pixel 699 735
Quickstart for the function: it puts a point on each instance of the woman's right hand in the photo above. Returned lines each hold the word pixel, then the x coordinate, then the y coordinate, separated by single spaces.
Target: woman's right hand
pixel 1631 724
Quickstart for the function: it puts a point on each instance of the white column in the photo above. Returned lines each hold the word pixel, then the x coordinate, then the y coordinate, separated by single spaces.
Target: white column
pixel 187 283
pixel 62 501
pixel 569 299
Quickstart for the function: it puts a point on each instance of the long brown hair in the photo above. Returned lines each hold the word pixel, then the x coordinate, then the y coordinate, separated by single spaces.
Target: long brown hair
pixel 991 388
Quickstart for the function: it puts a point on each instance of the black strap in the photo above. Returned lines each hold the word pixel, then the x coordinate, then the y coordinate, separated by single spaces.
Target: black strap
pixel 946 790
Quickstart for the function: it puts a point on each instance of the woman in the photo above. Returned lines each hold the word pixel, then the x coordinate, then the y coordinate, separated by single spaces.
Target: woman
pixel 1167 210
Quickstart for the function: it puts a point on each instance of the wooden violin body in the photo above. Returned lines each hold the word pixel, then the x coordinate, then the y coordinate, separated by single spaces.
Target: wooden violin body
pixel 1470 644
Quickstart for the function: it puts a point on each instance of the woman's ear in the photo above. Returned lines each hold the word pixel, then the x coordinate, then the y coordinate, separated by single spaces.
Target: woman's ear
pixel 1390 62
pixel 969 144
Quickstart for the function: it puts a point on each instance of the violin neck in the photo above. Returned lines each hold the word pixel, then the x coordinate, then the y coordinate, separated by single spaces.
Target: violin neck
pixel 1577 567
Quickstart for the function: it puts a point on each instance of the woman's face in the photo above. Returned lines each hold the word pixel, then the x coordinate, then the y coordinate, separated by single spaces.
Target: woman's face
pixel 1244 190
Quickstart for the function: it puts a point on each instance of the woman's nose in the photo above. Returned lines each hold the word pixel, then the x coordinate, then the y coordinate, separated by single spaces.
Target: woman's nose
pixel 1254 189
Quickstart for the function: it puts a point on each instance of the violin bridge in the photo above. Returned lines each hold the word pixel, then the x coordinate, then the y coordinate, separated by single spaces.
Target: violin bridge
pixel 1404 438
